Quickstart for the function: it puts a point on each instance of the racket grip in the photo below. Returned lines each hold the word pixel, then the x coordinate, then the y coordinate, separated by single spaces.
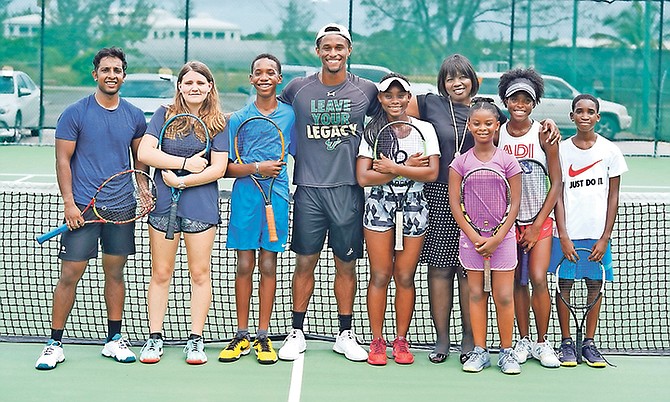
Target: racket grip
pixel 49 235
pixel 523 266
pixel 487 274
pixel 169 232
pixel 272 227
pixel 399 230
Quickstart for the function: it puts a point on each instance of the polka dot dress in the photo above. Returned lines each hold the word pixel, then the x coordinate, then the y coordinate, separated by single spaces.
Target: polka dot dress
pixel 440 248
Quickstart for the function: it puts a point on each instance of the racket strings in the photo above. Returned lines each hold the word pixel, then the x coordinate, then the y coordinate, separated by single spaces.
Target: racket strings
pixel 580 293
pixel 257 141
pixel 534 189
pixel 125 198
pixel 183 126
pixel 485 199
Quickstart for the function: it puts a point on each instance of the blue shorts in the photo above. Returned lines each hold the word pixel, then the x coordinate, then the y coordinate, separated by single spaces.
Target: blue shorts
pixel 337 211
pixel 248 226
pixel 586 269
pixel 82 244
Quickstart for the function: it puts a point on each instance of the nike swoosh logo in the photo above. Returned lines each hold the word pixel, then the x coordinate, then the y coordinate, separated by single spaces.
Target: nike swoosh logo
pixel 577 172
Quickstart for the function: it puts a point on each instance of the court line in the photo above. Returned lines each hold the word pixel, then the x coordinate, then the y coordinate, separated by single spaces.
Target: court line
pixel 296 379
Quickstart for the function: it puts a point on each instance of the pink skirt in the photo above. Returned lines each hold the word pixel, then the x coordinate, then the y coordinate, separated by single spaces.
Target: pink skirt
pixel 503 259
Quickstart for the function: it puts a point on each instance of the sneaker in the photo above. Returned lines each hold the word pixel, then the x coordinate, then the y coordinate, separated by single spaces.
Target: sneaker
pixel 508 363
pixel 523 349
pixel 545 353
pixel 151 351
pixel 119 349
pixel 567 353
pixel 345 344
pixel 478 359
pixel 195 351
pixel 265 353
pixel 52 354
pixel 592 355
pixel 237 348
pixel 401 352
pixel 294 344
pixel 377 355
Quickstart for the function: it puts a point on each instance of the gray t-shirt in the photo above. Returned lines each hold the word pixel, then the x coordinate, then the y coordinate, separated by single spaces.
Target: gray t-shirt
pixel 328 128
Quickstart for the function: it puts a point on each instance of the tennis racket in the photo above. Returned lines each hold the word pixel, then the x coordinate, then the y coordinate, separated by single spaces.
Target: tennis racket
pixel 124 197
pixel 485 202
pixel 579 294
pixel 398 140
pixel 260 139
pixel 183 135
pixel 535 186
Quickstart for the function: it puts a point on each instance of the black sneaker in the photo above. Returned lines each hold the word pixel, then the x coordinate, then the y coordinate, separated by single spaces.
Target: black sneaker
pixel 592 355
pixel 567 353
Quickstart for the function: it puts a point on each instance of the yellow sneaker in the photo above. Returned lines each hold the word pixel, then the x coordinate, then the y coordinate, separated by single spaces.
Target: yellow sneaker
pixel 265 353
pixel 237 348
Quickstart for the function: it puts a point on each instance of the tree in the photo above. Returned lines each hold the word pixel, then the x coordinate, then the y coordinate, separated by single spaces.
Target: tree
pixel 295 35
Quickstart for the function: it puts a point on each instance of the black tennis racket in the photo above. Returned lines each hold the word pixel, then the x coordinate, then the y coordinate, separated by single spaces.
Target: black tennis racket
pixel 398 140
pixel 183 135
pixel 579 289
pixel 485 201
pixel 260 139
pixel 535 185
pixel 122 198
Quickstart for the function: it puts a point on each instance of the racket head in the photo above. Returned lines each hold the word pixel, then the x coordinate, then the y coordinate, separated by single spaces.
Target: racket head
pixel 125 197
pixel 535 185
pixel 258 139
pixel 398 140
pixel 184 135
pixel 485 199
pixel 580 285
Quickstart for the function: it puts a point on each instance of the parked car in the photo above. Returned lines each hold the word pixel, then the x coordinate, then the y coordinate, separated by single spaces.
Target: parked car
pixel 556 104
pixel 288 73
pixel 149 91
pixel 19 105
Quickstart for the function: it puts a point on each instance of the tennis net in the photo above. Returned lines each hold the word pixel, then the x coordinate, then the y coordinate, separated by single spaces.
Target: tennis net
pixel 634 316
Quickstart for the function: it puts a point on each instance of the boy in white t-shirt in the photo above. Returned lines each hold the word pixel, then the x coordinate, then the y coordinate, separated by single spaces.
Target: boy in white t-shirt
pixel 592 168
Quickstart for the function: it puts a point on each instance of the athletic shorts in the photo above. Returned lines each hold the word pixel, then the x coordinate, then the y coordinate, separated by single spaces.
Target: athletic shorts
pixel 337 211
pixel 503 259
pixel 248 226
pixel 545 231
pixel 160 223
pixel 82 244
pixel 587 269
pixel 380 209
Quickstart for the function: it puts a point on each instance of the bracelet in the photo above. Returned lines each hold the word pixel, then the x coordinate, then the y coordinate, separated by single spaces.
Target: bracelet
pixel 258 167
pixel 183 164
pixel 181 185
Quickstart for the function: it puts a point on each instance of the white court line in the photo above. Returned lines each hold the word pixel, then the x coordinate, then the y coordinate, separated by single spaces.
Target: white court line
pixel 296 379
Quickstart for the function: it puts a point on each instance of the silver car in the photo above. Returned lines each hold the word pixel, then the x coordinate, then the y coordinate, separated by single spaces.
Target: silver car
pixel 19 105
pixel 557 104
pixel 149 91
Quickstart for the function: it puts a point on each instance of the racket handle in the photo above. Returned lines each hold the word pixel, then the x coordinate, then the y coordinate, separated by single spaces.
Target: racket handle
pixel 487 274
pixel 272 227
pixel 169 232
pixel 523 266
pixel 49 235
pixel 399 225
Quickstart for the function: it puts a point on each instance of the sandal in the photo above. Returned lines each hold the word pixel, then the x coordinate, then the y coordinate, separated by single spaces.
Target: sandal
pixel 437 357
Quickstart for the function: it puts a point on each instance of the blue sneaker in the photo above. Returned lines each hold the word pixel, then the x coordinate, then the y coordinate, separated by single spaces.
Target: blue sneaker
pixel 195 351
pixel 567 353
pixel 478 359
pixel 508 363
pixel 151 351
pixel 592 355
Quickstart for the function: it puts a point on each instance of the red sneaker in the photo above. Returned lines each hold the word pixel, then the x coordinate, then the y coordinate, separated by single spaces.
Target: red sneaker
pixel 377 355
pixel 401 352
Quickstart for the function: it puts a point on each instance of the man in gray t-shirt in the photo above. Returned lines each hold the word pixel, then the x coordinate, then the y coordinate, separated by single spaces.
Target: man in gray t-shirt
pixel 330 109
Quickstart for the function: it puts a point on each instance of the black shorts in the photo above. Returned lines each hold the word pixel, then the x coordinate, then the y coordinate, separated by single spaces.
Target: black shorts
pixel 82 244
pixel 337 211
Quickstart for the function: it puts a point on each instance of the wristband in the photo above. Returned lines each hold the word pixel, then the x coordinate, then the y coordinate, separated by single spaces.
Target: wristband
pixel 258 167
pixel 183 164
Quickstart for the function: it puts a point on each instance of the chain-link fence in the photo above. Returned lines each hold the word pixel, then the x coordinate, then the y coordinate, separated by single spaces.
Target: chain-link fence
pixel 614 49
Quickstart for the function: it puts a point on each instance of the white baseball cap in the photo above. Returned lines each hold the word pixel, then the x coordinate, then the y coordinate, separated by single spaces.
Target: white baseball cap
pixel 331 29
pixel 384 85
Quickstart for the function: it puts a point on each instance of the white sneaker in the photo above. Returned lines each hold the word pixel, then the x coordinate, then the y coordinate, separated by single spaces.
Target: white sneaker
pixel 294 344
pixel 345 344
pixel 151 351
pixel 545 353
pixel 195 351
pixel 52 354
pixel 119 349
pixel 522 349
